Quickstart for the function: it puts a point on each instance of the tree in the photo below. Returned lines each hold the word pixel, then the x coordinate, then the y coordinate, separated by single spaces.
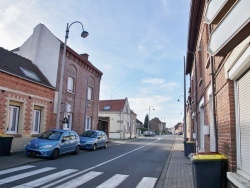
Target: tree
pixel 146 122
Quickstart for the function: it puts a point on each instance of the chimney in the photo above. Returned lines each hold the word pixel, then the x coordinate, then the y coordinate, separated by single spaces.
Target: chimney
pixel 85 56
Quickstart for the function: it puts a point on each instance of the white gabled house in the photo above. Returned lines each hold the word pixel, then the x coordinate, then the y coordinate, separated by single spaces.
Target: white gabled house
pixel 120 117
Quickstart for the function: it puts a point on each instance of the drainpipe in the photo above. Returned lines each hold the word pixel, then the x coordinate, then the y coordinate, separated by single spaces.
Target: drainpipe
pixel 213 99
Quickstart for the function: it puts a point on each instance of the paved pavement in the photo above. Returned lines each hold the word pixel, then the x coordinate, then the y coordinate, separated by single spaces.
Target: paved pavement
pixel 177 172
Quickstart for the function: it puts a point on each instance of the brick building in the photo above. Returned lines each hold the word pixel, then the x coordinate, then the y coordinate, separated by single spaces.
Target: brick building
pixel 81 79
pixel 218 62
pixel 26 99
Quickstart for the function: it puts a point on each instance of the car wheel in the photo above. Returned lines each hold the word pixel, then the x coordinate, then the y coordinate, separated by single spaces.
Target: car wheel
pixel 77 150
pixel 32 154
pixel 94 147
pixel 106 145
pixel 55 154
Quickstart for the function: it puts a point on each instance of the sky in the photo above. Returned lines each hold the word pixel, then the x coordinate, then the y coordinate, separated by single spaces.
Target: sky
pixel 139 45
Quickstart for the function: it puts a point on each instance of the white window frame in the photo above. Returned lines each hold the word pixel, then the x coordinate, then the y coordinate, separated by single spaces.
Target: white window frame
pixel 13 121
pixel 36 120
pixel 70 85
pixel 90 93
pixel 88 123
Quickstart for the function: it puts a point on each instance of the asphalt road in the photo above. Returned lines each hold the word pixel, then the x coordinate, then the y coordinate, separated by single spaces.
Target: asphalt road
pixel 137 163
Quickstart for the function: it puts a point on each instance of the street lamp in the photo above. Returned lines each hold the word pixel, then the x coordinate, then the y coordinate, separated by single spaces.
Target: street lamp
pixel 179 98
pixel 84 34
pixel 149 114
pixel 196 96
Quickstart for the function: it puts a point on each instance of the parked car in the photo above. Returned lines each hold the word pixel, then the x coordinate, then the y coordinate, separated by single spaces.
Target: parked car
pixel 180 133
pixel 93 139
pixel 53 143
pixel 149 133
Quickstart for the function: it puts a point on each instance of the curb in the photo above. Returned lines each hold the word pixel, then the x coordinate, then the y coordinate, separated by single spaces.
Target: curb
pixel 161 181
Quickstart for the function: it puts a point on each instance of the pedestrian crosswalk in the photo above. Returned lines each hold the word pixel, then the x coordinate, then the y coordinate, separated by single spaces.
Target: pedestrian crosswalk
pixel 57 179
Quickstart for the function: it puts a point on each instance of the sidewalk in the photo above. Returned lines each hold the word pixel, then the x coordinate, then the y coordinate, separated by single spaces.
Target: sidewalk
pixel 177 172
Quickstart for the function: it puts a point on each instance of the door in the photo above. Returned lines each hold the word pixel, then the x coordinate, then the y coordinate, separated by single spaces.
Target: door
pixel 65 143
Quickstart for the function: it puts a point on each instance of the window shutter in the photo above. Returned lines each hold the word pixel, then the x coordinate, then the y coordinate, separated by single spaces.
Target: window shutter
pixel 244 120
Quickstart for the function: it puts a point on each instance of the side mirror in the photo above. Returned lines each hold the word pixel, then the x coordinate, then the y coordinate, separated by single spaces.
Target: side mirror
pixel 98 137
pixel 63 140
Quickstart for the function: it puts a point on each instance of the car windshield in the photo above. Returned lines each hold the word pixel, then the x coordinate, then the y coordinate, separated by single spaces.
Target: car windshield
pixel 90 134
pixel 51 135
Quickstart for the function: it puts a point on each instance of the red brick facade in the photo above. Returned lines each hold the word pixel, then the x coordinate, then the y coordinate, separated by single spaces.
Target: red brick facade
pixel 28 95
pixel 223 94
pixel 84 74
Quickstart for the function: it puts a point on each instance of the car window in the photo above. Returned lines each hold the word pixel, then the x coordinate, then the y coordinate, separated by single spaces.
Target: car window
pixel 51 135
pixel 90 134
pixel 72 136
pixel 66 136
pixel 99 135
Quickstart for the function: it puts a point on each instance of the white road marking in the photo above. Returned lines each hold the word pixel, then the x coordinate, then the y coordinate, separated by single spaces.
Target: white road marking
pixel 24 175
pixel 113 181
pixel 46 179
pixel 80 180
pixel 91 168
pixel 146 182
pixel 15 169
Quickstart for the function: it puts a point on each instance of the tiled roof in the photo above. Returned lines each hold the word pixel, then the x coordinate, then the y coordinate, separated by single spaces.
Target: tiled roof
pixel 19 66
pixel 115 105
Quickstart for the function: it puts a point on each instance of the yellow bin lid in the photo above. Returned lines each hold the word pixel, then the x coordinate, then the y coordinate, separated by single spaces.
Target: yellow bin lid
pixel 209 156
pixel 5 135
pixel 190 142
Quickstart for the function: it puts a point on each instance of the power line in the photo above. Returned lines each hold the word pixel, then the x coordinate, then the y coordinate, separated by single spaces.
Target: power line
pixel 112 89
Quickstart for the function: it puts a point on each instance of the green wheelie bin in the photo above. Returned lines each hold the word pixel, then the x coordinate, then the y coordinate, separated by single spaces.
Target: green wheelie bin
pixel 189 147
pixel 209 170
pixel 5 144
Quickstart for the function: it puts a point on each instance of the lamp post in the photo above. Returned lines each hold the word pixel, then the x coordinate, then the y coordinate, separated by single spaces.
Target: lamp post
pixel 149 114
pixel 161 124
pixel 84 34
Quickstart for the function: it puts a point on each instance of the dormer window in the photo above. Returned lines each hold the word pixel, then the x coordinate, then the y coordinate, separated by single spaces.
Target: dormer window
pixel 30 74
pixel 106 107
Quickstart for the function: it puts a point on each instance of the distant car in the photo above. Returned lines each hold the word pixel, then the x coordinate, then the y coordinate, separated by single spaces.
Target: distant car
pixel 93 139
pixel 180 133
pixel 149 133
pixel 53 143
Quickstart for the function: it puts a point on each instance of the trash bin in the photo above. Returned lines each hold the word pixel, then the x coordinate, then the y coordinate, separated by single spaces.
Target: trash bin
pixel 5 145
pixel 188 147
pixel 209 170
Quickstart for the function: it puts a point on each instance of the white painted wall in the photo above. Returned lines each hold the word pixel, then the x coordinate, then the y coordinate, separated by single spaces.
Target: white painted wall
pixel 42 48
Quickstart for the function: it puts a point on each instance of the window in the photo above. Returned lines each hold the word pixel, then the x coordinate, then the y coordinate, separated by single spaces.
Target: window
pixel 36 121
pixel 66 136
pixel 72 136
pixel 30 74
pixel 106 107
pixel 13 119
pixel 88 123
pixel 70 87
pixel 90 93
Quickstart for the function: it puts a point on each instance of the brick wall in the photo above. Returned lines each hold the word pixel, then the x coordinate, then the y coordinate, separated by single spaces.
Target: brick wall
pixel 28 95
pixel 224 99
pixel 84 76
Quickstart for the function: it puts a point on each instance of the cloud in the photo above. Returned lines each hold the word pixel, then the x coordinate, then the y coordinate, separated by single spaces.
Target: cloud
pixel 154 81
pixel 10 14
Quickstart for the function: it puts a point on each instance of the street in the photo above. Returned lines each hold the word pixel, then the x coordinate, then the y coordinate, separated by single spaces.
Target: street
pixel 136 163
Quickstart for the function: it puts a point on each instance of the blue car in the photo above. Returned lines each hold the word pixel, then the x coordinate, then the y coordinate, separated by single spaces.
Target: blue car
pixel 53 143
pixel 93 139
